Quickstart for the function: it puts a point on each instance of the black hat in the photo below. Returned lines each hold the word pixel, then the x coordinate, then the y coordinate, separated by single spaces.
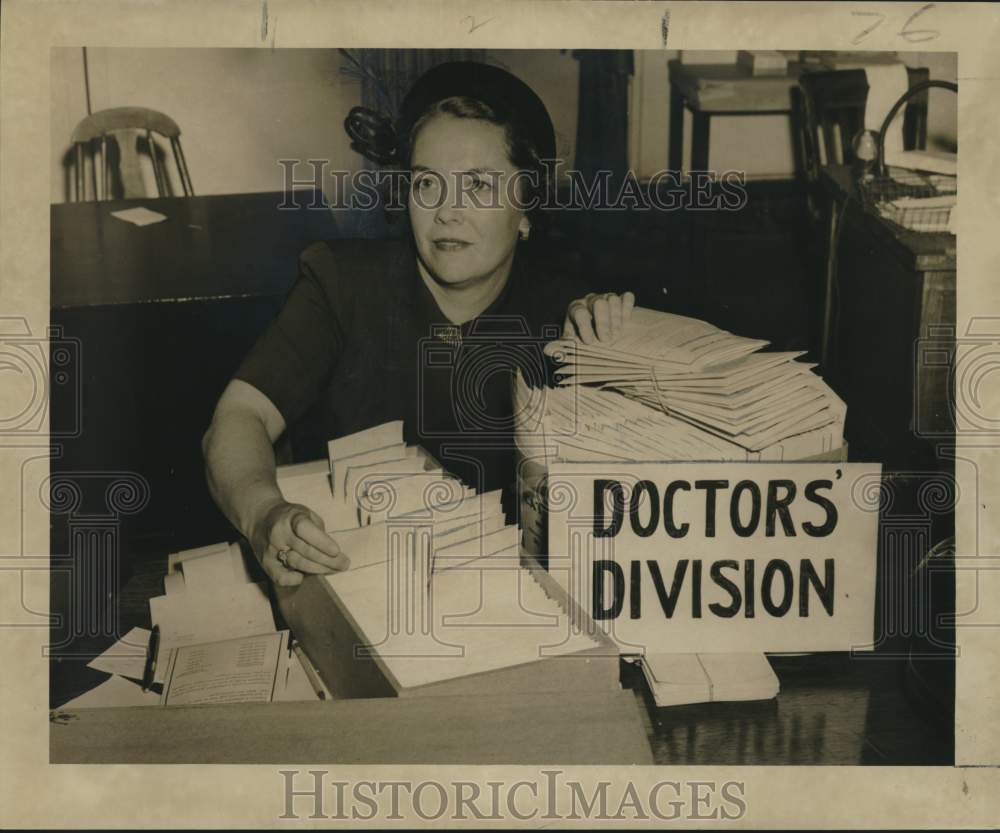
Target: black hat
pixel 509 97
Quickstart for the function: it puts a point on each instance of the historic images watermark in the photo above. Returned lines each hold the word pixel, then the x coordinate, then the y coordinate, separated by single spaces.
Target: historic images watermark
pixel 550 795
pixel 390 189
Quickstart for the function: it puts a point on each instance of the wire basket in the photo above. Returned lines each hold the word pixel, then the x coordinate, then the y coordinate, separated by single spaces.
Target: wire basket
pixel 908 199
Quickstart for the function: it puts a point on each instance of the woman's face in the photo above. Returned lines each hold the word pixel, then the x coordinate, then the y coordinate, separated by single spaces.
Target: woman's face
pixel 464 224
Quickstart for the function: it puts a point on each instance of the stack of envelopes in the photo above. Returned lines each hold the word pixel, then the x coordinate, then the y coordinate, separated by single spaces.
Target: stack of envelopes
pixel 435 571
pixel 710 379
pixel 372 479
pixel 677 679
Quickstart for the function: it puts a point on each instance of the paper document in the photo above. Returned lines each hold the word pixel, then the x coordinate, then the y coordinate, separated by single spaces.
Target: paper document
pixel 340 450
pixel 139 216
pixel 244 670
pixel 188 618
pixel 679 679
pixel 632 402
pixel 212 570
pixel 193 618
pixel 938 162
pixel 175 558
pixel 127 657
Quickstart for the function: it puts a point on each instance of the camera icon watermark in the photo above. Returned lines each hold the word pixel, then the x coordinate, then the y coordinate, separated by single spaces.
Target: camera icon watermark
pixel 470 371
pixel 957 384
pixel 36 372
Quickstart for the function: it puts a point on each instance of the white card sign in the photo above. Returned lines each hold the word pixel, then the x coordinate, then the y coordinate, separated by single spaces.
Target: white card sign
pixel 706 557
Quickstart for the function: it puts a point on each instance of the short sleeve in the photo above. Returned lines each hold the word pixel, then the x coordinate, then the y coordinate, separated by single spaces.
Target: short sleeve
pixel 292 361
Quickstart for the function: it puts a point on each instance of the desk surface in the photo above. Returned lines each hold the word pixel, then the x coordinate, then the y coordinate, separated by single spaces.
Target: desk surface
pixel 731 88
pixel 494 729
pixel 832 709
pixel 99 259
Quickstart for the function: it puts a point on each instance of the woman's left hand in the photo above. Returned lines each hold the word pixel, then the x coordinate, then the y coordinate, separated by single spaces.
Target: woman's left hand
pixel 599 317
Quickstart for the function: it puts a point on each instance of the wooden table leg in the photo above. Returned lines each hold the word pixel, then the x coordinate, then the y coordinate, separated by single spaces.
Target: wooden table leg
pixel 829 279
pixel 675 150
pixel 699 141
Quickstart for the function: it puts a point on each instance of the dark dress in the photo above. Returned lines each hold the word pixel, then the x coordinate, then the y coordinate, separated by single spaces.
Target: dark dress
pixel 361 341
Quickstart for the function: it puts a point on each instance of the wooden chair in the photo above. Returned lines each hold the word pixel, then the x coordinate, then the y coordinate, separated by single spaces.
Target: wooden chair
pixel 830 113
pixel 113 140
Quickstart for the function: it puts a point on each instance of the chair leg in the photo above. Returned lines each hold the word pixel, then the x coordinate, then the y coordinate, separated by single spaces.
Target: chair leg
pixel 104 168
pixel 183 168
pixel 78 173
pixel 177 164
pixel 157 173
pixel 93 169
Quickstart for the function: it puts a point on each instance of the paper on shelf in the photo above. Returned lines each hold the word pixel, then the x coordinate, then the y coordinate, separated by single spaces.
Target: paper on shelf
pixel 938 162
pixel 139 216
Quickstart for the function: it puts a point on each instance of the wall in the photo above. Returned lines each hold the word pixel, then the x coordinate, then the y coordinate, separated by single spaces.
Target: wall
pixel 242 109
pixel 239 110
pixel 555 76
pixel 942 105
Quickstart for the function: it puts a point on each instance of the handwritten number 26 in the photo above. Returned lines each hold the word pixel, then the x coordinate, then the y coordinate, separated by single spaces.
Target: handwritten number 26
pixel 908 34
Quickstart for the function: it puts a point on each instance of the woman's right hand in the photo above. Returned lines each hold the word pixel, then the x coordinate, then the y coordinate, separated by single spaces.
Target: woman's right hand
pixel 290 541
pixel 598 317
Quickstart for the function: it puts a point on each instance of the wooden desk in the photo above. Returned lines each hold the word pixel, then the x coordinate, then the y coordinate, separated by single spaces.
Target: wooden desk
pixel 888 317
pixel 709 90
pixel 832 709
pixel 231 245
pixel 495 729
pixel 159 317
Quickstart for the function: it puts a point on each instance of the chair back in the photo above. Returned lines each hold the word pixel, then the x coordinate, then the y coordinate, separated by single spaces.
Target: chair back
pixel 831 113
pixel 109 144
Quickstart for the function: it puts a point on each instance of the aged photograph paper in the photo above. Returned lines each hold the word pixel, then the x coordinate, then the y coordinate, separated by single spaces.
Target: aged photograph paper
pixel 539 413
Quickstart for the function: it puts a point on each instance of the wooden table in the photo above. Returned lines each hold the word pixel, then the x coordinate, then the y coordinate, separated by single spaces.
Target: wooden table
pixel 709 90
pixel 493 729
pixel 230 245
pixel 158 317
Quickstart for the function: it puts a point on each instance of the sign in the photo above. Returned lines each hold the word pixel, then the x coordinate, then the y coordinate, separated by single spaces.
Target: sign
pixel 710 557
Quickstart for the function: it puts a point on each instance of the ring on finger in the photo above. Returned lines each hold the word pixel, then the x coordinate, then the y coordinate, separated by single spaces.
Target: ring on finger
pixel 282 557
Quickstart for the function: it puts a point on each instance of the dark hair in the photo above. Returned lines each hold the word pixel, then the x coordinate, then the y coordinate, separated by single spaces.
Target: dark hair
pixel 521 150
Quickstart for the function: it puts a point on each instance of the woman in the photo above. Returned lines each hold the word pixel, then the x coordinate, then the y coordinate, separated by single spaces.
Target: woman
pixel 426 330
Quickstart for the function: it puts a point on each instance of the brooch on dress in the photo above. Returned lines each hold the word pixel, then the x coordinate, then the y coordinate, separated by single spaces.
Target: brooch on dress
pixel 448 334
